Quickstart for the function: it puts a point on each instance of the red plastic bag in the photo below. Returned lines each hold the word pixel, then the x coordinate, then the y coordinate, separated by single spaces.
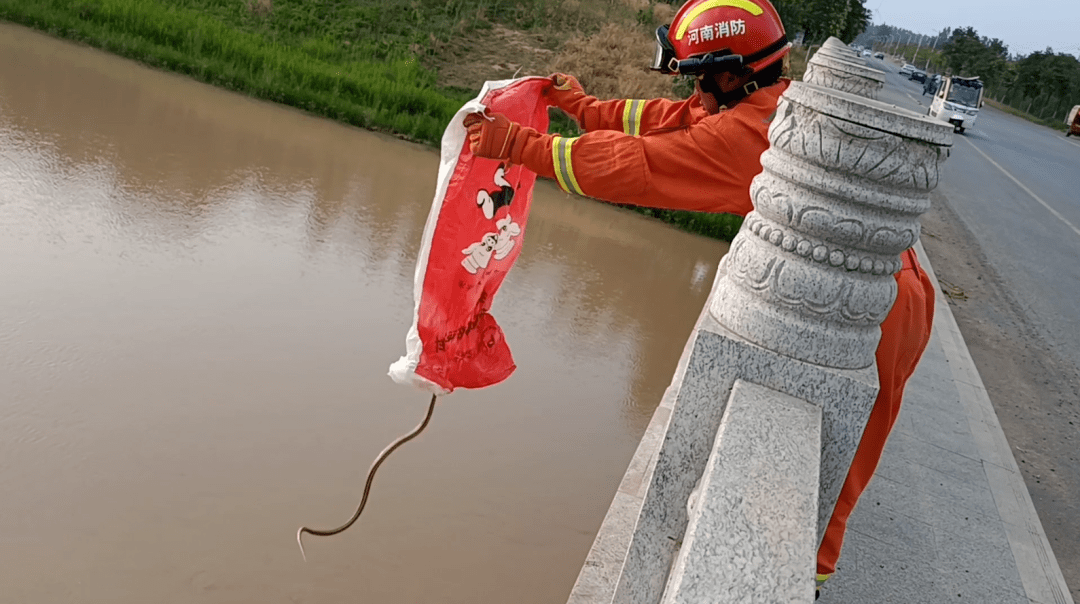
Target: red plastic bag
pixel 471 240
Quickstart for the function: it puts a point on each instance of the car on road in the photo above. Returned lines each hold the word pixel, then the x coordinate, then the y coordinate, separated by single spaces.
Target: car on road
pixel 866 52
pixel 918 75
pixel 907 69
pixel 879 55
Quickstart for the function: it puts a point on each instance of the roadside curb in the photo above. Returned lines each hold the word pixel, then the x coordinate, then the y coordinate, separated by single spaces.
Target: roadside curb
pixel 1040 574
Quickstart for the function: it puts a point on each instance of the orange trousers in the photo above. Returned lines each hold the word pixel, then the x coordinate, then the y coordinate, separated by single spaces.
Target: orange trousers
pixel 904 335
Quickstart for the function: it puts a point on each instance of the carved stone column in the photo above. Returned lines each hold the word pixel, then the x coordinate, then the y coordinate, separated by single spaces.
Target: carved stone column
pixel 840 56
pixel 795 310
pixel 810 274
pixel 838 51
pixel 837 47
pixel 839 74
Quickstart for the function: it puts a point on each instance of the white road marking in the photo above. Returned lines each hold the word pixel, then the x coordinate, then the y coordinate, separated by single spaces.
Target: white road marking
pixel 1026 190
pixel 1070 141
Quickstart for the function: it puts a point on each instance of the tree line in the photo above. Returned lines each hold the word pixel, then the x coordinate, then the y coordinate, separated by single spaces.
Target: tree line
pixel 1043 83
pixel 816 20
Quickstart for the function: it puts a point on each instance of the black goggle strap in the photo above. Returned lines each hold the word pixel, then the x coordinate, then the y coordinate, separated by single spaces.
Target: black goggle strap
pixel 707 63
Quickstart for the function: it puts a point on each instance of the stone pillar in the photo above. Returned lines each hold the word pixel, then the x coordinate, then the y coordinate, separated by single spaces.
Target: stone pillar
pixel 810 274
pixel 796 309
pixel 836 49
pixel 839 56
pixel 829 71
pixel 837 46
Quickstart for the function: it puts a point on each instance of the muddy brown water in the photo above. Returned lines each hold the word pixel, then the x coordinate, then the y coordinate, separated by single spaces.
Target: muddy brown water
pixel 200 295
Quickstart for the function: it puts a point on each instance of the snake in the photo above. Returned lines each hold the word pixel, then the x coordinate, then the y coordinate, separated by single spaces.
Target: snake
pixel 367 486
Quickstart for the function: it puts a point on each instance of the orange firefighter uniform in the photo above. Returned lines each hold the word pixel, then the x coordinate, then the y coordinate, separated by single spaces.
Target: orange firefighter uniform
pixel 675 155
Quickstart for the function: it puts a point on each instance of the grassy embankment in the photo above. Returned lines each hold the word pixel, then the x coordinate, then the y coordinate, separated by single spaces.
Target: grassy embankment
pixel 369 63
pixel 295 57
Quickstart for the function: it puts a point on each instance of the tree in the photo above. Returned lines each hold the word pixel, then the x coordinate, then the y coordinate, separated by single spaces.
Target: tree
pixel 819 19
pixel 969 55
pixel 856 22
pixel 1047 72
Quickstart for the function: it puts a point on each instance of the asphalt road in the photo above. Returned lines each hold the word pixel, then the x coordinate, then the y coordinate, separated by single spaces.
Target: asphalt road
pixel 1016 186
pixel 1007 216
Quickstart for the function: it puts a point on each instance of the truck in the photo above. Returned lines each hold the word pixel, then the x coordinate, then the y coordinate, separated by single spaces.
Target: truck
pixel 957 102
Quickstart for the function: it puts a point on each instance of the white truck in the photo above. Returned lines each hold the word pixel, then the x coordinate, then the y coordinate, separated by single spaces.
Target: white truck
pixel 958 101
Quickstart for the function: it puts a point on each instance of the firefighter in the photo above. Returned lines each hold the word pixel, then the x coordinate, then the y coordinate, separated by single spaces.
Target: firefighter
pixel 700 154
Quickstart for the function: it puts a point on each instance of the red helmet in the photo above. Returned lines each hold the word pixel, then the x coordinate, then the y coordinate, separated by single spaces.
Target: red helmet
pixel 740 36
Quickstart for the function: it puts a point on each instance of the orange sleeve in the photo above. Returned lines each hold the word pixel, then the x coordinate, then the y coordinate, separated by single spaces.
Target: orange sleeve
pixel 704 167
pixel 637 116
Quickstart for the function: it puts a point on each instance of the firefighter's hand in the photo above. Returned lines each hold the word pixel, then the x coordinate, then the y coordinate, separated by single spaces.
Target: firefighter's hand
pixel 567 94
pixel 491 135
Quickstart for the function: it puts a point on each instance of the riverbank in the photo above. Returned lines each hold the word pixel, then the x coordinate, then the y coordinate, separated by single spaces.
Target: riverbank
pixel 201 295
pixel 269 53
pixel 400 67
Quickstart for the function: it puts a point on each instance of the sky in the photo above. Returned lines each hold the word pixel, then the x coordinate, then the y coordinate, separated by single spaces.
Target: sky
pixel 1023 26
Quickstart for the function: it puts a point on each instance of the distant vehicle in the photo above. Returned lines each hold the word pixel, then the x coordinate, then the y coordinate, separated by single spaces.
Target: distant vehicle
pixel 879 55
pixel 907 69
pixel 957 101
pixel 930 86
pixel 866 52
pixel 1073 121
pixel 918 75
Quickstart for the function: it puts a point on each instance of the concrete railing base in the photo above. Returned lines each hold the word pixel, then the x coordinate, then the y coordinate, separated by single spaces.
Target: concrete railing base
pixel 752 535
pixel 639 539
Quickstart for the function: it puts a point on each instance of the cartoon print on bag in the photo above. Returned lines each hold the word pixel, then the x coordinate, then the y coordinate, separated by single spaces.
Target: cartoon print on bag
pixel 508 229
pixel 490 201
pixel 478 254
pixel 498 244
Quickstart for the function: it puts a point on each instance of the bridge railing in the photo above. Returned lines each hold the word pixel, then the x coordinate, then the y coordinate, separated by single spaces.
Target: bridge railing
pixel 729 493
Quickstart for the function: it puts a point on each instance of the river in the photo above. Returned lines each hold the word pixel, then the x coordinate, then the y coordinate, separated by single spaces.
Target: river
pixel 200 295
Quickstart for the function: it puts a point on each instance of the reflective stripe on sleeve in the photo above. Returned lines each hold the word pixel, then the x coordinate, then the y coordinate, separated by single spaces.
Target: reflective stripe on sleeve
pixel 564 168
pixel 632 111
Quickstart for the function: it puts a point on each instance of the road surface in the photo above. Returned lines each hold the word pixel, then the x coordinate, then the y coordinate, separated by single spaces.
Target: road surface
pixel 1004 238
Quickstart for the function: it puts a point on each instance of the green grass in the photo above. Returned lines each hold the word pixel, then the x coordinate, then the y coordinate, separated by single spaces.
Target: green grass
pixel 717 226
pixel 235 49
pixel 355 61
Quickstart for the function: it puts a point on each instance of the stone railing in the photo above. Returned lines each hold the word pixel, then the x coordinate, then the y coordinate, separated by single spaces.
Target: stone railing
pixel 844 182
pixel 837 50
pixel 835 46
pixel 784 351
pixel 752 528
pixel 829 71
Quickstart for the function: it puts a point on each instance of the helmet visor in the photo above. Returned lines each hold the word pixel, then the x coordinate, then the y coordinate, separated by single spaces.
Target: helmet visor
pixel 665 52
